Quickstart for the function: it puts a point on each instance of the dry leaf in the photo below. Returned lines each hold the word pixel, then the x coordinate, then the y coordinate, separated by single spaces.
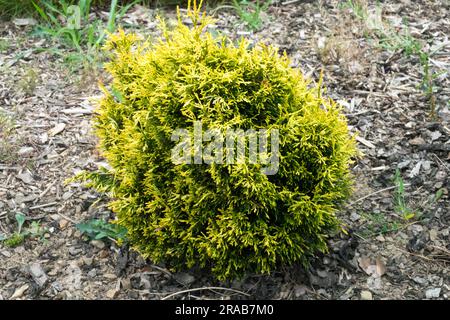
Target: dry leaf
pixel 25 177
pixel 375 269
pixel 381 267
pixel 19 292
pixel 364 263
pixel 57 129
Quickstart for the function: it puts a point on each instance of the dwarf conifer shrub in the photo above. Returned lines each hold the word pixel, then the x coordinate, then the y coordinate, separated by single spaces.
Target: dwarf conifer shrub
pixel 229 217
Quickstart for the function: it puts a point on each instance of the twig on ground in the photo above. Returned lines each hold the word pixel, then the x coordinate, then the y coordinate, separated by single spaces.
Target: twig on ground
pixel 204 288
pixel 67 218
pixel 43 205
pixel 374 193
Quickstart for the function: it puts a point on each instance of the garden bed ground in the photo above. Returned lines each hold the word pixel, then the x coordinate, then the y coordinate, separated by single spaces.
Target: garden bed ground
pixel 46 137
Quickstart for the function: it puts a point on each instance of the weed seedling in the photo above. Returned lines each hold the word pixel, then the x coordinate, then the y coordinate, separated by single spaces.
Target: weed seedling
pixel 98 229
pixel 29 81
pixel 34 231
pixel 250 12
pixel 400 206
pixel 17 237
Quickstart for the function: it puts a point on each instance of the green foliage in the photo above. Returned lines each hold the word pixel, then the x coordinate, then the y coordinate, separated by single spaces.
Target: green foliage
pixel 400 206
pixel 250 12
pixel 377 223
pixel 31 8
pixel 358 7
pixel 29 81
pixel 15 240
pixel 35 230
pixel 8 149
pixel 16 8
pixel 392 39
pixel 100 229
pixel 231 218
pixel 69 21
pixel 4 45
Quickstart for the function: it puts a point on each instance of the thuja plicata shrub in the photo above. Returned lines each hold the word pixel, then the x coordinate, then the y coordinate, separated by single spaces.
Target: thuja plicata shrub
pixel 228 210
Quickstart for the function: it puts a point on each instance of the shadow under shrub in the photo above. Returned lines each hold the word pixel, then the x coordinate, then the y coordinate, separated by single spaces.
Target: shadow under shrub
pixel 230 218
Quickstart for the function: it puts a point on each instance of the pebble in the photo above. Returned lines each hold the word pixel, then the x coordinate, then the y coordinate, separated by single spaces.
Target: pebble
pixel 354 216
pixel 74 251
pixel 92 273
pixel 416 229
pixel 38 274
pixel 24 151
pixel 184 278
pixel 25 177
pixel 433 293
pixel 300 290
pixel 6 253
pixel 417 141
pixel 420 280
pixel 63 224
pixel 126 283
pixel 88 261
pixel 111 294
pixel 433 234
pixel 98 244
pixel 366 295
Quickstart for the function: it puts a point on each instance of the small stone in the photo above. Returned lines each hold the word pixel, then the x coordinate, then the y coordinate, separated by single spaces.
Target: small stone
pixel 435 135
pixel 410 125
pixel 6 253
pixel 433 234
pixel 184 278
pixel 63 224
pixel 420 280
pixel 110 276
pixel 25 177
pixel 322 273
pixel 433 293
pixel 38 274
pixel 125 283
pixel 416 229
pixel 366 295
pixel 403 164
pixel 440 175
pixel 98 244
pixel 111 294
pixel 299 290
pixel 74 251
pixel 416 141
pixel 24 151
pixel 380 238
pixel 88 261
pixel 374 283
pixel 55 217
pixel 354 216
pixel 92 273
